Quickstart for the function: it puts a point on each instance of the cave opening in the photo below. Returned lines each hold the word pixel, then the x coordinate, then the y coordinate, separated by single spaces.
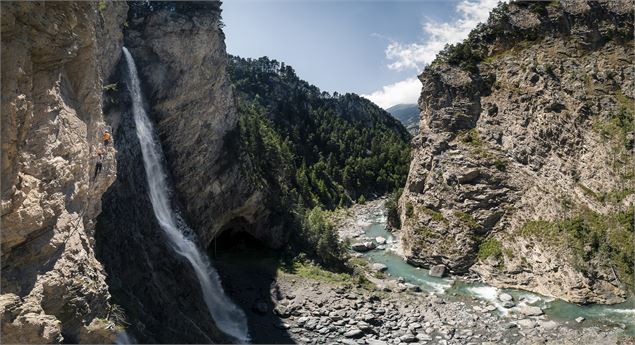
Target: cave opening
pixel 248 268
pixel 235 240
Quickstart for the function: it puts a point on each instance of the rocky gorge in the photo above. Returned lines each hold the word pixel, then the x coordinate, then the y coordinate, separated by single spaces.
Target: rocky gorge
pixel 523 166
pixel 521 178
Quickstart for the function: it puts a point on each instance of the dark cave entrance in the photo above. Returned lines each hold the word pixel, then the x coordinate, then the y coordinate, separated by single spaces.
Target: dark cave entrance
pixel 236 240
pixel 248 269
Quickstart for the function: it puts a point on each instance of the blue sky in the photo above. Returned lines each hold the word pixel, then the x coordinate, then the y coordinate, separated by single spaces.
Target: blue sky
pixel 373 48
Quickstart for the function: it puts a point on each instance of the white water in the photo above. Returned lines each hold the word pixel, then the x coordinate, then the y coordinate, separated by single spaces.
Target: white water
pixel 228 317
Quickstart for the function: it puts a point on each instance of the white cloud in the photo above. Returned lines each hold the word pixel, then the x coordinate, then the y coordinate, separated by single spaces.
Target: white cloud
pixel 406 91
pixel 419 54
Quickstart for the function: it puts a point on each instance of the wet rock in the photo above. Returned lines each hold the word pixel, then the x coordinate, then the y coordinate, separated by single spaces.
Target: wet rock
pixel 360 247
pixel 437 271
pixel 412 287
pixel 377 267
pixel 508 304
pixel 363 246
pixel 530 310
pixel 505 297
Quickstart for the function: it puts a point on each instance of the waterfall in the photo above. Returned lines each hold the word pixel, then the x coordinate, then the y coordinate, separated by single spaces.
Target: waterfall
pixel 228 317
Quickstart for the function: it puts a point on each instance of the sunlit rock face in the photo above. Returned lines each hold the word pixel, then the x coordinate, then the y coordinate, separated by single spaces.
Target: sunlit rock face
pixel 55 58
pixel 522 171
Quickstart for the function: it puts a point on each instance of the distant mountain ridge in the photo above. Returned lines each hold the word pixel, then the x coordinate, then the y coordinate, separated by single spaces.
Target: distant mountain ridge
pixel 408 115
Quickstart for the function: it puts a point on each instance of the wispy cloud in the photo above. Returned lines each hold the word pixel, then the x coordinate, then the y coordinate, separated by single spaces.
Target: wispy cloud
pixel 417 55
pixel 405 91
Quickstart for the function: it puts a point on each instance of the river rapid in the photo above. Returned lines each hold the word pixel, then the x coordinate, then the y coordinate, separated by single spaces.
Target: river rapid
pixel 367 222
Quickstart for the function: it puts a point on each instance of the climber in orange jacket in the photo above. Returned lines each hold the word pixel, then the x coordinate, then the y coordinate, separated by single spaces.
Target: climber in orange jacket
pixel 106 138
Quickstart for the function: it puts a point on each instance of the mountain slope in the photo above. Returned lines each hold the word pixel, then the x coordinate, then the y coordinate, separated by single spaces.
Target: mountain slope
pixel 342 147
pixel 523 169
pixel 408 115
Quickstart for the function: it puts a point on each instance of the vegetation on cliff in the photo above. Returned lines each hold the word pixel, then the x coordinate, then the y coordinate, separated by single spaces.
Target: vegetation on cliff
pixel 312 150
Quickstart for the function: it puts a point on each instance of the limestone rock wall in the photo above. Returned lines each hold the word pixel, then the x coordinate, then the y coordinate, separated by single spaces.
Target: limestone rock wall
pixel 528 133
pixel 55 57
pixel 180 51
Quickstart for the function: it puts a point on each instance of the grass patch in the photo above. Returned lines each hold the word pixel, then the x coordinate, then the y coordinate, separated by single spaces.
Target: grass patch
pixel 467 219
pixel 508 252
pixel 471 137
pixel 500 164
pixel 101 5
pixel 360 262
pixel 490 247
pixel 312 271
pixel 409 209
pixel 589 192
pixel 435 215
pixel 625 102
pixel 380 275
pixel 425 232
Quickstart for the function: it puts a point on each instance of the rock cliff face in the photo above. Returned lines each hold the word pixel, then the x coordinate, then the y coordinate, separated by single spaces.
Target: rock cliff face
pixel 523 171
pixel 180 49
pixel 180 54
pixel 55 57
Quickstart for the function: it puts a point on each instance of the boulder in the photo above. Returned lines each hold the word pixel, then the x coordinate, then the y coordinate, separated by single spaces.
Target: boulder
pixel 505 297
pixel 377 267
pixel 579 319
pixel 380 240
pixel 412 287
pixel 354 333
pixel 437 271
pixel 526 323
pixel 408 338
pixel 360 247
pixel 530 310
pixel 281 311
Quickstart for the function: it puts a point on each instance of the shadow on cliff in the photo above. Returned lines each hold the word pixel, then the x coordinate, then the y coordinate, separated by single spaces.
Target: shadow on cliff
pixel 248 270
pixel 155 286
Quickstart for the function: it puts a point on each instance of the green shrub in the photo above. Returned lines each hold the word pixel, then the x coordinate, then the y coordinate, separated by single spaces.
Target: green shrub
pixel 467 219
pixel 435 215
pixel 471 137
pixel 490 247
pixel 500 164
pixel 409 209
pixel 392 209
pixel 361 200
pixel 322 236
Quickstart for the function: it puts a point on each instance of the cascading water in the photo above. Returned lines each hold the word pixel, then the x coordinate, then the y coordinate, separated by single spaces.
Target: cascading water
pixel 228 317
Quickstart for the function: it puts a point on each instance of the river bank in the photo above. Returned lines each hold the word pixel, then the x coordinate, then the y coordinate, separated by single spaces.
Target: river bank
pixel 307 305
